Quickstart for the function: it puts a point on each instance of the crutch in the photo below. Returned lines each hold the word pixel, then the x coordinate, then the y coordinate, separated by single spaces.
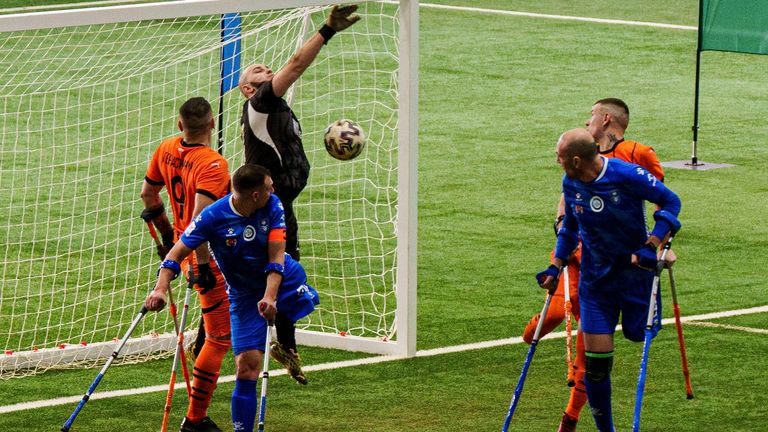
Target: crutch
pixel 265 378
pixel 153 233
pixel 680 339
pixel 528 358
pixel 649 335
pixel 568 326
pixel 179 354
pixel 71 419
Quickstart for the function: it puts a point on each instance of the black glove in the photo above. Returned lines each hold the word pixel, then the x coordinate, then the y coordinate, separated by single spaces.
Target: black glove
pixel 341 17
pixel 206 280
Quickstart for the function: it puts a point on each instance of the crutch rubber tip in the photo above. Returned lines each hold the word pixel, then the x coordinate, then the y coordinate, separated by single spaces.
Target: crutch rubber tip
pixel 690 396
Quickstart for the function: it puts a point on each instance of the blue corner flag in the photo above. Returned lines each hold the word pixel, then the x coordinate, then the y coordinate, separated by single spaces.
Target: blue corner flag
pixel 230 51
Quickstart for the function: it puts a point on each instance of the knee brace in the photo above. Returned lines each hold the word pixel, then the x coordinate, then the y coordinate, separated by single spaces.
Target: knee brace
pixel 598 366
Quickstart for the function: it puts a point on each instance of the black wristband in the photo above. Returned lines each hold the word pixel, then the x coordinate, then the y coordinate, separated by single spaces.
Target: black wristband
pixel 326 32
pixel 557 221
pixel 148 214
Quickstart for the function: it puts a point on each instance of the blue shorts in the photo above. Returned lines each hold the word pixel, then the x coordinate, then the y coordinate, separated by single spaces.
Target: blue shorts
pixel 249 329
pixel 625 291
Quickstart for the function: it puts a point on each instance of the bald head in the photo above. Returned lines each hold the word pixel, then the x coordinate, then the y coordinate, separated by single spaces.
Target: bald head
pixel 578 142
pixel 577 154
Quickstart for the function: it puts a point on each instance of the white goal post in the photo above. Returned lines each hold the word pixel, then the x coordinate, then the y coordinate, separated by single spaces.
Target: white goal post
pixel 87 96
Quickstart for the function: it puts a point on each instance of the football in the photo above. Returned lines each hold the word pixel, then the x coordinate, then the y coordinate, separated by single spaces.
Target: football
pixel 344 139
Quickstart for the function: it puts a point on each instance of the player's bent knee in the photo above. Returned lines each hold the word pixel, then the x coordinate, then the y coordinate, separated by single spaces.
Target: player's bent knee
pixel 599 366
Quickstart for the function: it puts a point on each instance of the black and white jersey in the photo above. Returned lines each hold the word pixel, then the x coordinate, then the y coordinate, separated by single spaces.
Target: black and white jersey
pixel 272 138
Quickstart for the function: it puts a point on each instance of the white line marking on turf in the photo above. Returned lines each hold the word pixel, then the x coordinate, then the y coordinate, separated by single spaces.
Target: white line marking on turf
pixel 68 5
pixel 729 327
pixel 424 5
pixel 556 17
pixel 694 319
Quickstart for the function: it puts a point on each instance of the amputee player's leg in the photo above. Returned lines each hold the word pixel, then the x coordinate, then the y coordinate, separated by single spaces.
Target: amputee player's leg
pixel 599 313
pixel 249 333
pixel 214 304
pixel 578 396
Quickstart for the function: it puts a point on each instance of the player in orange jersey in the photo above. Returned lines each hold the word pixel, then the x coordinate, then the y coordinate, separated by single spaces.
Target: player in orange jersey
pixel 607 123
pixel 195 176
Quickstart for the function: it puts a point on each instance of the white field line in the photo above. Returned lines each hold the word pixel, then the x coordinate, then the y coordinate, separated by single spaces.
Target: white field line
pixel 67 6
pixel 555 17
pixel 694 320
pixel 730 327
pixel 424 5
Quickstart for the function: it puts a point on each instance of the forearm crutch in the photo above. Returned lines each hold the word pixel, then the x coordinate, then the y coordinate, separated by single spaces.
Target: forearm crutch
pixel 568 326
pixel 528 358
pixel 71 419
pixel 179 353
pixel 680 339
pixel 649 335
pixel 265 378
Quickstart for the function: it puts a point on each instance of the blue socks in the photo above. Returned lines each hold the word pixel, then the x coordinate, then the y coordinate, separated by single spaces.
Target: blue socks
pixel 244 405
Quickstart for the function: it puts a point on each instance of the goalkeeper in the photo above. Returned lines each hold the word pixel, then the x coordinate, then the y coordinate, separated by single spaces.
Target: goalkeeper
pixel 195 176
pixel 246 232
pixel 604 208
pixel 608 122
pixel 272 139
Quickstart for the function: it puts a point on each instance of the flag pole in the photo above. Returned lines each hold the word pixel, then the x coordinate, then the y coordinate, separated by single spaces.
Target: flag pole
pixel 695 128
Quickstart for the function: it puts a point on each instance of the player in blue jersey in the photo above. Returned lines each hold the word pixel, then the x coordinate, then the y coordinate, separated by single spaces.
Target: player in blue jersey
pixel 604 208
pixel 246 233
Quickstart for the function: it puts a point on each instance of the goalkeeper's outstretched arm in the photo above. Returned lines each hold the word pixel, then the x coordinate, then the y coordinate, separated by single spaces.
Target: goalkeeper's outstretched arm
pixel 340 18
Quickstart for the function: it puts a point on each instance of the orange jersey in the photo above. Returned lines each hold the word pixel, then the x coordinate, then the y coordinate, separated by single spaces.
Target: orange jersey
pixel 641 154
pixel 186 170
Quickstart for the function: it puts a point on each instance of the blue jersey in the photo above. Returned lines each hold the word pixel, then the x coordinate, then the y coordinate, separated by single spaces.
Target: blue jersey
pixel 608 214
pixel 239 245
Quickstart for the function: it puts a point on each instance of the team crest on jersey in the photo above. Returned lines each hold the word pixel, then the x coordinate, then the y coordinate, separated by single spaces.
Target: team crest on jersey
pixel 596 204
pixel 578 196
pixel 614 196
pixel 249 233
pixel 263 226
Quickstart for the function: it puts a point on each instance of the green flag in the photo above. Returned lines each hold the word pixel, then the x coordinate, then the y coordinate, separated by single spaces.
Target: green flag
pixel 734 25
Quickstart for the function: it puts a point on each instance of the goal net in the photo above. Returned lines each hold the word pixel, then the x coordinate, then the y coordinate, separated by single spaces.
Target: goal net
pixel 88 95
